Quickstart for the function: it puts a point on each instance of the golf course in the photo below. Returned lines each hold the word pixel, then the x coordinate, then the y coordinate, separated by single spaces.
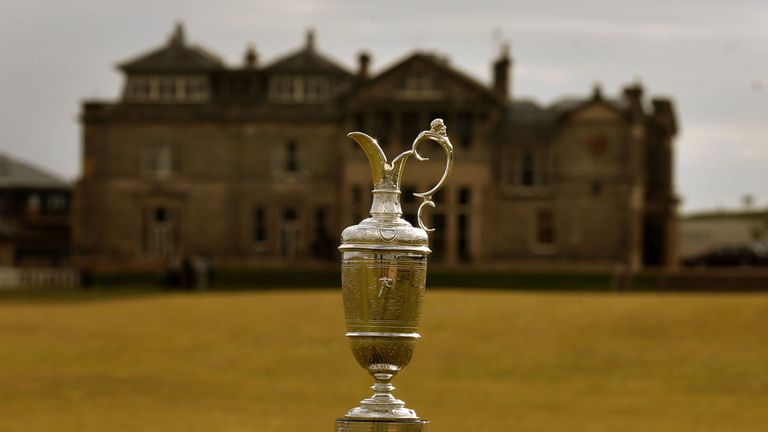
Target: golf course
pixel 488 360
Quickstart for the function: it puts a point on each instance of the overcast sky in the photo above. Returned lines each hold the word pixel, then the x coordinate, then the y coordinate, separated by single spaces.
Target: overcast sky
pixel 710 56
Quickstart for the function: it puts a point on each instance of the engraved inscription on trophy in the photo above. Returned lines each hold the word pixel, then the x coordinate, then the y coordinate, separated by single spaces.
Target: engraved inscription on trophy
pixel 385 284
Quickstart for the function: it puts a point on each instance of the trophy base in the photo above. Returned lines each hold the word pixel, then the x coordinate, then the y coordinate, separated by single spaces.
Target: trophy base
pixel 355 425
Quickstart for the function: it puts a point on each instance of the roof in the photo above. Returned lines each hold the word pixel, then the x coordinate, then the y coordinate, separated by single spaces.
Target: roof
pixel 727 214
pixel 571 103
pixel 307 59
pixel 528 111
pixel 439 63
pixel 176 55
pixel 15 173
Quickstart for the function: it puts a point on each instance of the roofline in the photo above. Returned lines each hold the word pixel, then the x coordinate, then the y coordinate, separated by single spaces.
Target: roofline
pixel 271 65
pixel 450 69
pixel 125 65
pixel 55 177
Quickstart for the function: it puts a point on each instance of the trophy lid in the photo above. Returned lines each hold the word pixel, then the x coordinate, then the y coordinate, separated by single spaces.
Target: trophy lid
pixel 372 235
pixel 386 229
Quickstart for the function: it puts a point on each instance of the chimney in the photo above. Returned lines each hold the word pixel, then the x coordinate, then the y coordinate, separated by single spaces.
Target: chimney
pixel 364 65
pixel 633 93
pixel 664 113
pixel 251 59
pixel 501 72
pixel 597 91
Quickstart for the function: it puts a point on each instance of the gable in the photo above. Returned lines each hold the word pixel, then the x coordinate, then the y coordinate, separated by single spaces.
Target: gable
pixel 596 111
pixel 422 77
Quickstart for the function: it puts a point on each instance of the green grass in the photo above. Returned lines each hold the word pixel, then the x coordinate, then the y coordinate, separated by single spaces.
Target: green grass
pixel 278 361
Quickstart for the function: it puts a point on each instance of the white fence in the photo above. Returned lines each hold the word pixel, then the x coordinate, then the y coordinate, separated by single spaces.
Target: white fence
pixel 38 277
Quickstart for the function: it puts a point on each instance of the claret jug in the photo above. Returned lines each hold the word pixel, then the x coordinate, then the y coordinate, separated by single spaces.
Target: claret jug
pixel 383 272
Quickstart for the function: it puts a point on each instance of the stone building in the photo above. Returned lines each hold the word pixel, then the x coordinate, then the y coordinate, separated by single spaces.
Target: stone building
pixel 34 216
pixel 250 165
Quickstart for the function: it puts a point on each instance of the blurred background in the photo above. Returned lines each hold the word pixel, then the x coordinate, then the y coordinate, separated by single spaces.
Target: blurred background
pixel 601 148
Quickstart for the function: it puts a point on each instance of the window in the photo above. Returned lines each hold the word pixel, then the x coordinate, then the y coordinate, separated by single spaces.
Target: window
pixel 291 157
pixel 289 160
pixel 464 129
pixel 160 215
pixel 259 226
pixel 297 88
pixel 357 194
pixel 33 204
pixel 290 233
pixel 316 89
pixel 56 203
pixel 140 88
pixel 526 168
pixel 545 227
pixel 167 88
pixel 596 188
pixel 322 245
pixel 463 239
pixel 196 88
pixel 283 88
pixel 320 219
pixel 162 164
pixel 418 84
pixel 465 196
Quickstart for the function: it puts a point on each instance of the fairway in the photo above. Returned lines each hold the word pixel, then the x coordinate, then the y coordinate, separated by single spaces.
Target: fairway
pixel 488 361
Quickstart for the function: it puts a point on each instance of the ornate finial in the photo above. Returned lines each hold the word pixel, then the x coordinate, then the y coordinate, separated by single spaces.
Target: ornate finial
pixel 250 59
pixel 505 49
pixel 310 39
pixel 438 126
pixel 177 38
pixel 597 92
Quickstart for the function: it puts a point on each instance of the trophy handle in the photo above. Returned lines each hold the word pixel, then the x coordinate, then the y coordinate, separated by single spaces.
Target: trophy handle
pixel 438 134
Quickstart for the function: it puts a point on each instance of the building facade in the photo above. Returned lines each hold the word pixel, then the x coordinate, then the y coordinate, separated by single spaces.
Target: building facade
pixel 251 166
pixel 34 216
pixel 705 232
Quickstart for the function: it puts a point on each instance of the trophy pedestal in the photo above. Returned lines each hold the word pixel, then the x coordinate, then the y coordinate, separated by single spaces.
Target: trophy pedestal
pixel 354 425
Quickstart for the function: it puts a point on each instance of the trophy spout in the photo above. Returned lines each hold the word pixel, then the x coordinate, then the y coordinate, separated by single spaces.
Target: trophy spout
pixel 375 154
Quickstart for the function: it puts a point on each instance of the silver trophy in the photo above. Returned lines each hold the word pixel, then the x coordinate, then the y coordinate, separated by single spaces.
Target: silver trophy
pixel 383 276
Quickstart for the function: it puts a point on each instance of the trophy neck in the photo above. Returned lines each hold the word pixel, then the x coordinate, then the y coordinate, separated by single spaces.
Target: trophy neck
pixel 385 205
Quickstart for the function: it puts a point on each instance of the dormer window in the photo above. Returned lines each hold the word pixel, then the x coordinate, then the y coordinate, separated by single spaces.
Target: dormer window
pixel 298 88
pixel 419 83
pixel 419 86
pixel 167 88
